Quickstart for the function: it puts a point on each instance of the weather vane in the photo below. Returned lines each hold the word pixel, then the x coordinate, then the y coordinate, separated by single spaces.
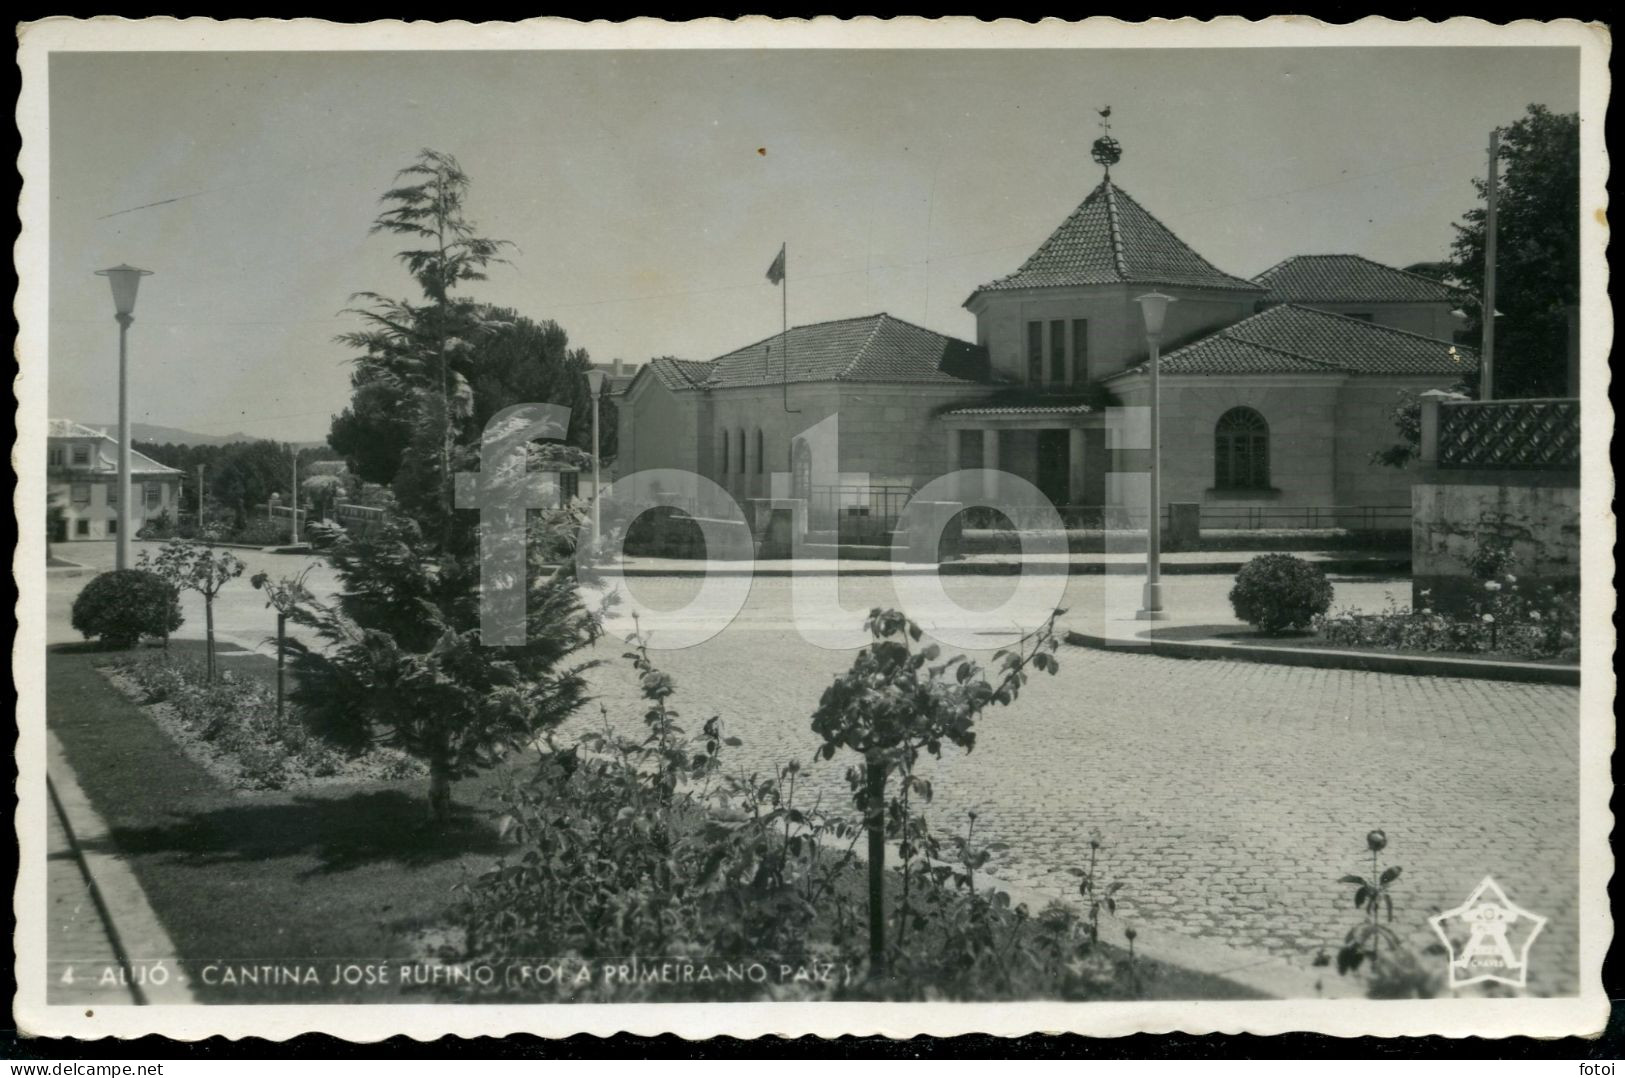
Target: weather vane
pixel 1106 151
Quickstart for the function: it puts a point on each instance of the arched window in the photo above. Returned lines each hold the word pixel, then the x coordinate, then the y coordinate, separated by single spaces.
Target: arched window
pixel 725 441
pixel 760 456
pixel 1241 451
pixel 744 461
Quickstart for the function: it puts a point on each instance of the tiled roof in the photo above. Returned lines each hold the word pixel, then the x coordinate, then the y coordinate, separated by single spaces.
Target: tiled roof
pixel 107 448
pixel 1112 239
pixel 1292 338
pixel 1024 409
pixel 874 348
pixel 1350 279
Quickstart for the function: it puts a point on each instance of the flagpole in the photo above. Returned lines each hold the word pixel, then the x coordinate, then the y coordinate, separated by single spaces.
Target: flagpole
pixel 784 310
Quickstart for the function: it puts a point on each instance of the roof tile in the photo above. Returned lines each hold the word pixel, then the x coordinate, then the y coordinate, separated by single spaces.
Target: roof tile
pixel 1292 338
pixel 1112 239
pixel 1350 279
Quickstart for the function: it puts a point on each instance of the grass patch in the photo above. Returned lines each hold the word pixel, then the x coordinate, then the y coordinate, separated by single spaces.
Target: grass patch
pixel 350 874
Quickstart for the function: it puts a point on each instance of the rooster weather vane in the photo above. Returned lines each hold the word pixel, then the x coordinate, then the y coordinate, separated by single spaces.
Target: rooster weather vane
pixel 1106 151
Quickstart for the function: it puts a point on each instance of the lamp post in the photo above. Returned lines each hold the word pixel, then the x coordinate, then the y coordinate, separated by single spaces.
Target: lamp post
pixel 1153 306
pixel 125 280
pixel 595 386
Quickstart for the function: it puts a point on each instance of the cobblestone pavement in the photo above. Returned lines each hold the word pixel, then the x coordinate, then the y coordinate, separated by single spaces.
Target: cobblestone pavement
pixel 78 954
pixel 1231 796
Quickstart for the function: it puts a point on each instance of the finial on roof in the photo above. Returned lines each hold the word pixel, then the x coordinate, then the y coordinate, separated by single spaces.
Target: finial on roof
pixel 1106 151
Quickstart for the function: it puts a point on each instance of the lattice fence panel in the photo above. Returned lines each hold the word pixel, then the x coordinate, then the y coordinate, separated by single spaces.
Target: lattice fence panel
pixel 1510 434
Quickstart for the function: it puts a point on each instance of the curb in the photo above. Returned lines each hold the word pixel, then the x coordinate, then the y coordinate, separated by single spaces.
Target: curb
pixel 1331 659
pixel 137 936
pixel 1345 567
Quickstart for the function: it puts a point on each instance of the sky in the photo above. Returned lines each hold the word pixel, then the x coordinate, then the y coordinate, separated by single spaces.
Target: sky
pixel 647 192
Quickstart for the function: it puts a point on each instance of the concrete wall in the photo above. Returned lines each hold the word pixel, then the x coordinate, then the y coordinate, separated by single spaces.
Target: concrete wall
pixel 1302 416
pixel 657 428
pixel 892 433
pixel 1365 425
pixel 1116 327
pixel 1453 511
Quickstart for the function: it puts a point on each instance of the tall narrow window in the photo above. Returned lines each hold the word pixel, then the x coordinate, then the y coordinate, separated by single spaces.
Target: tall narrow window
pixel 725 452
pixel 1035 352
pixel 759 454
pixel 1057 352
pixel 81 455
pixel 744 461
pixel 1080 350
pixel 1241 451
pixel 154 495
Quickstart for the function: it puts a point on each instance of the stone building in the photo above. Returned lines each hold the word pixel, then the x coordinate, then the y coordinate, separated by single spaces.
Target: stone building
pixel 1275 390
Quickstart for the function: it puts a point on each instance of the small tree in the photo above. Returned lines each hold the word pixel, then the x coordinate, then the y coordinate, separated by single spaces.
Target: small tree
pixel 185 563
pixel 403 663
pixel 284 596
pixel 124 605
pixel 896 702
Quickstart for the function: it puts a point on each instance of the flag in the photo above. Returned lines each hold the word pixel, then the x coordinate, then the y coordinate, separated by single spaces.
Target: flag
pixel 775 272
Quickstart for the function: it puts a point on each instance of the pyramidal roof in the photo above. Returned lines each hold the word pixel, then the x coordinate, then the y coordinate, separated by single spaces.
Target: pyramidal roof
pixel 1112 239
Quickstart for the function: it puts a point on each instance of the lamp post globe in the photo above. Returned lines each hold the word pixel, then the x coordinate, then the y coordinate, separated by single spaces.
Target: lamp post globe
pixel 1153 310
pixel 125 281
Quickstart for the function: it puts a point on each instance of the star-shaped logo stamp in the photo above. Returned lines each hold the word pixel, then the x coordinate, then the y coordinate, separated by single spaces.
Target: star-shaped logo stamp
pixel 1488 937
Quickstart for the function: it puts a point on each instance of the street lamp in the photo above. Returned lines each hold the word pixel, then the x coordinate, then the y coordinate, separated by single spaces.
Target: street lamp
pixel 1153 306
pixel 125 280
pixel 595 386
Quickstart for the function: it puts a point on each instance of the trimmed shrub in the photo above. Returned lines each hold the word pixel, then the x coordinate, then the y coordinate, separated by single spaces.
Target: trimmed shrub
pixel 124 605
pixel 1278 592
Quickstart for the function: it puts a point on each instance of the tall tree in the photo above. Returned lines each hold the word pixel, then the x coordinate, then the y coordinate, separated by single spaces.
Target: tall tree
pixel 1537 253
pixel 424 349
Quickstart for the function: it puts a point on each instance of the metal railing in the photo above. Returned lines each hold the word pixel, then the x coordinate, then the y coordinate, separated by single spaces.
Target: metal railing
pixel 857 510
pixel 1541 433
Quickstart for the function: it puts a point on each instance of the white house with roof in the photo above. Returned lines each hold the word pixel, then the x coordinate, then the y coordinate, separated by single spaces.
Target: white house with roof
pixel 1276 390
pixel 82 481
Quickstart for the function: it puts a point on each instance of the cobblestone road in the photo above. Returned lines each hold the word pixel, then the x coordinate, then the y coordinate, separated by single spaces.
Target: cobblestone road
pixel 1231 795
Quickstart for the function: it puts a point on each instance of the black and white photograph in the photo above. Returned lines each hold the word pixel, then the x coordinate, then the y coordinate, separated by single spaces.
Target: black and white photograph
pixel 873 527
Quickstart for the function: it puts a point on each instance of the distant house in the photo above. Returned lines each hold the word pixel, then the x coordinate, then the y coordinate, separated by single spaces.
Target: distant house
pixel 82 480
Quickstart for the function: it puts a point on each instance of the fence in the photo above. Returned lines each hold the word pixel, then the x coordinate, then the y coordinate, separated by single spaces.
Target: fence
pixel 1542 434
pixel 857 511
pixel 1213 517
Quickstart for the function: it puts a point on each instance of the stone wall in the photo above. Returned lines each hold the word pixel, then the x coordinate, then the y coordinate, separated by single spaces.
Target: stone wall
pixel 1454 511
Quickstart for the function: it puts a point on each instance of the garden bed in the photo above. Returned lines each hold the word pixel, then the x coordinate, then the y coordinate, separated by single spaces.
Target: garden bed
pixel 342 873
pixel 231 727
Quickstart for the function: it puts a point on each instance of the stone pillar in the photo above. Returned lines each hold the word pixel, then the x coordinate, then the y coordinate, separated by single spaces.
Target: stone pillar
pixel 990 461
pixel 1076 489
pixel 1184 526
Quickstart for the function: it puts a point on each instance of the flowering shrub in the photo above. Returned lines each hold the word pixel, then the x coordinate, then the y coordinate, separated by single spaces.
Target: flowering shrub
pixel 124 605
pixel 1507 620
pixel 237 716
pixel 653 846
pixel 1277 592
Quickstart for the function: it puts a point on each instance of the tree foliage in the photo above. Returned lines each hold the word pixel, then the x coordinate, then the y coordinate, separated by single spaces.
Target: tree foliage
pixel 1537 253
pixel 402 663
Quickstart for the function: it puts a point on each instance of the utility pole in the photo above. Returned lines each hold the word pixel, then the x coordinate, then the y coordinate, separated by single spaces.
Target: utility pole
pixel 293 496
pixel 202 495
pixel 1486 386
